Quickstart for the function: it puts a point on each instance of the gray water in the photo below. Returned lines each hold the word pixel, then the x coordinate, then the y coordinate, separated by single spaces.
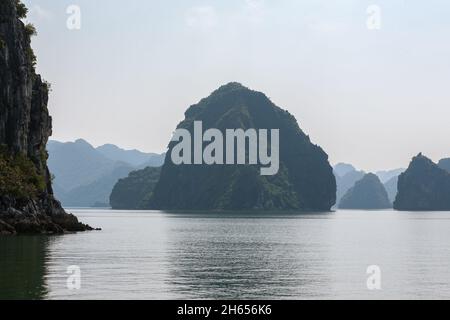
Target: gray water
pixel 157 255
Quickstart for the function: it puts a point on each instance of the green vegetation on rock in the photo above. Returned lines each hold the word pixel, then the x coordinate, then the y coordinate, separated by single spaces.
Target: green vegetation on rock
pixel 22 10
pixel 19 177
pixel 30 30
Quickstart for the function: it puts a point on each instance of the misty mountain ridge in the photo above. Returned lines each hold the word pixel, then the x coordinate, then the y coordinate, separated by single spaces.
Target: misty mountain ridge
pixel 133 157
pixel 387 175
pixel 341 169
pixel 84 175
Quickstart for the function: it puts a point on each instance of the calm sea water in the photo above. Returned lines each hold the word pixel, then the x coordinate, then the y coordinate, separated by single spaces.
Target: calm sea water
pixel 158 255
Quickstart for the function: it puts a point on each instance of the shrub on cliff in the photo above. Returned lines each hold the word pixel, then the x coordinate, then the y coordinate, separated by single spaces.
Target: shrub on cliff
pixel 30 30
pixel 22 10
pixel 19 177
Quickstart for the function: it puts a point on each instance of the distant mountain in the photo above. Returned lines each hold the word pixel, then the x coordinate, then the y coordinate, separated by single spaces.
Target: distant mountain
pixel 385 176
pixel 96 193
pixel 346 177
pixel 135 190
pixel 77 163
pixel 135 158
pixel 304 180
pixel 84 176
pixel 341 169
pixel 367 194
pixel 445 164
pixel 424 186
pixel 391 188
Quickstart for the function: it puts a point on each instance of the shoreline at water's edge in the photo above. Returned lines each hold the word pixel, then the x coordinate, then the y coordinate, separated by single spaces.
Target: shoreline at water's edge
pixel 37 218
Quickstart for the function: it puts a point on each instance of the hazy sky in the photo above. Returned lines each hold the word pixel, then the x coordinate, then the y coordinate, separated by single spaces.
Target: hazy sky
pixel 373 98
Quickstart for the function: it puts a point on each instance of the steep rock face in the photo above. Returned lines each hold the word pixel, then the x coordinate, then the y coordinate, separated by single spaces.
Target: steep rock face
pixel 305 180
pixel 26 196
pixel 368 193
pixel 424 186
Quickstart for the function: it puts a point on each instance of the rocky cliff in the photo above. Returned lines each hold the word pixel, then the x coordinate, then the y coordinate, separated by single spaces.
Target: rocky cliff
pixel 27 204
pixel 424 186
pixel 305 179
pixel 367 194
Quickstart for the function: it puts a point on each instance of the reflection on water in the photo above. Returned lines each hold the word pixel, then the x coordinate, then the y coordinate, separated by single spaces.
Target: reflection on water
pixel 167 255
pixel 241 257
pixel 23 267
